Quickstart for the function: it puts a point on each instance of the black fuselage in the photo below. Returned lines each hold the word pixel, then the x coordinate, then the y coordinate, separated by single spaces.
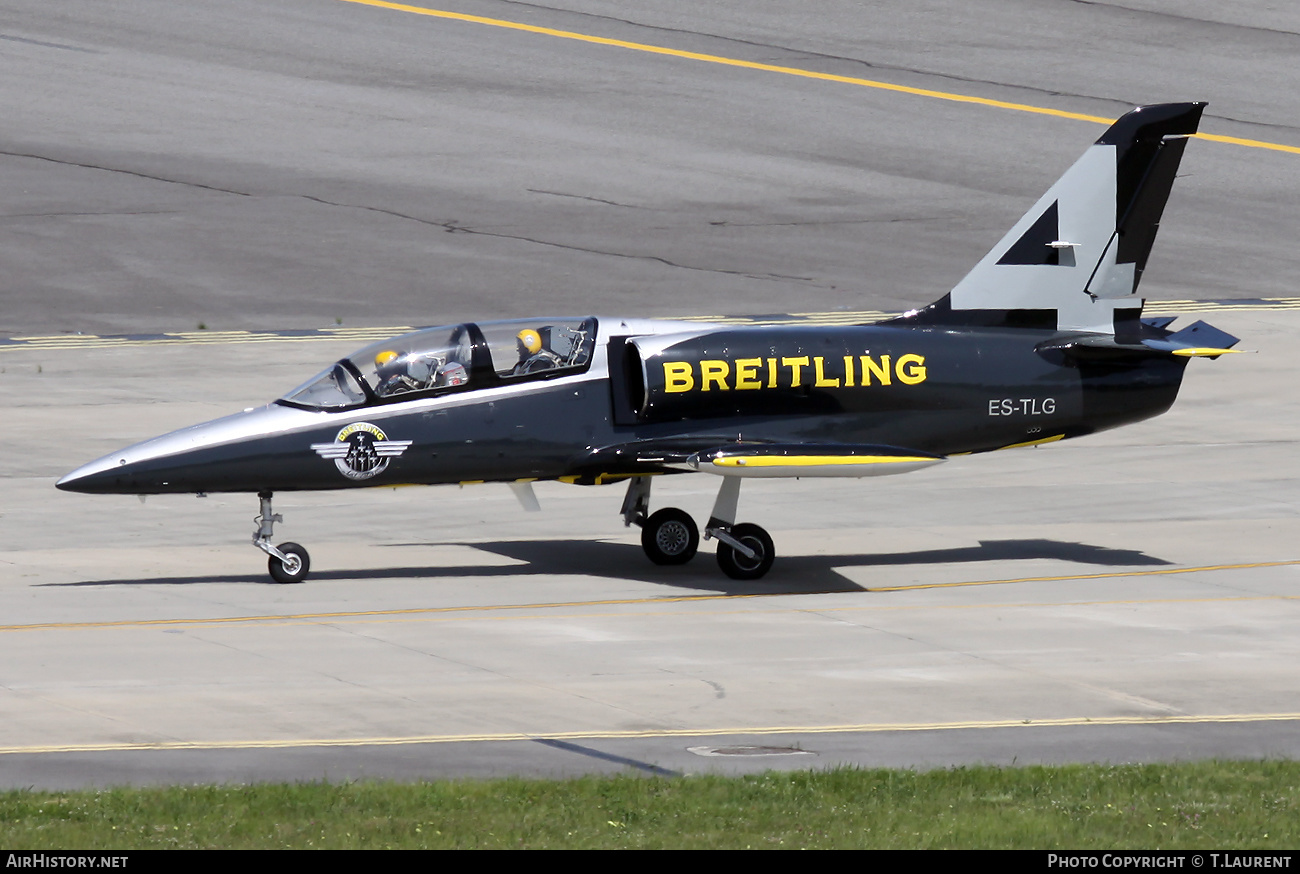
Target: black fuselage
pixel 933 389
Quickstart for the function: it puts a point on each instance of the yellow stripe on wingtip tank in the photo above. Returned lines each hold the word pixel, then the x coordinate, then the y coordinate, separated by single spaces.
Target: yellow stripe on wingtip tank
pixel 1038 442
pixel 1204 352
pixel 814 460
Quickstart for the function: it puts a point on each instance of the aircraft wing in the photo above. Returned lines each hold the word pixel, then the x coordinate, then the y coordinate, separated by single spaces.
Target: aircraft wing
pixel 741 459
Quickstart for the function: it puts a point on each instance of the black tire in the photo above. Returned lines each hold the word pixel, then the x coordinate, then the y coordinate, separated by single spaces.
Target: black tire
pixel 670 537
pixel 737 565
pixel 295 571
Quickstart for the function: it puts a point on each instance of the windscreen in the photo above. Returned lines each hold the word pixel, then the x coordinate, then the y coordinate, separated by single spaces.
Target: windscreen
pixel 451 358
pixel 424 360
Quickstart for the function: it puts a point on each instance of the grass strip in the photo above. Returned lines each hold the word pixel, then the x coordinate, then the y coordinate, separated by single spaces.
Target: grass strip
pixel 1207 805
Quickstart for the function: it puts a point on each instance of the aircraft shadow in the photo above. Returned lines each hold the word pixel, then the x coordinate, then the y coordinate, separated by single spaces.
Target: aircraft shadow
pixel 793 575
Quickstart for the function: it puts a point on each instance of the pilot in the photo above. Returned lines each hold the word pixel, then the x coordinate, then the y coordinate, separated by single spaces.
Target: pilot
pixel 533 356
pixel 451 373
pixel 390 370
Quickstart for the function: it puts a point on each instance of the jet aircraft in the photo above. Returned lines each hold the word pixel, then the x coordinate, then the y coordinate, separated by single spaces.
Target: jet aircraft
pixel 1042 340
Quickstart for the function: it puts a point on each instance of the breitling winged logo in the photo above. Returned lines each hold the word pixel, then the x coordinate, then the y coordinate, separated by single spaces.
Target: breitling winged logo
pixel 361 450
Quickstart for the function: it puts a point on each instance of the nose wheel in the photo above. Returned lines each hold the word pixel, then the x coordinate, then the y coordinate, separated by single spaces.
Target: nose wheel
pixel 293 567
pixel 288 562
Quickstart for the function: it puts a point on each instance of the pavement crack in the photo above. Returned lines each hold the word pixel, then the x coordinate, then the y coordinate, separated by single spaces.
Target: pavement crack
pixel 388 212
pixel 816 223
pixel 451 227
pixel 48 45
pixel 784 59
pixel 1137 701
pixel 584 197
pixel 136 173
pixel 415 650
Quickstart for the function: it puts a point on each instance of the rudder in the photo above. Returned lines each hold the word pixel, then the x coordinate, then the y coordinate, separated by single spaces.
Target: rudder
pixel 1073 262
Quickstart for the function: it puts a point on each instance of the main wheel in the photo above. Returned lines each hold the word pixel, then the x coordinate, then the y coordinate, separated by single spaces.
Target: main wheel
pixel 739 566
pixel 670 537
pixel 295 566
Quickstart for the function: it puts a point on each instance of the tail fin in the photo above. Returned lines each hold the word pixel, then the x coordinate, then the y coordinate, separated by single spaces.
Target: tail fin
pixel 1073 262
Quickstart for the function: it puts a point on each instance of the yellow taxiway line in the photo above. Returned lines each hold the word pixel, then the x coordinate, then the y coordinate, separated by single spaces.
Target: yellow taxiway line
pixel 368 614
pixel 427 613
pixel 788 71
pixel 1100 576
pixel 731 731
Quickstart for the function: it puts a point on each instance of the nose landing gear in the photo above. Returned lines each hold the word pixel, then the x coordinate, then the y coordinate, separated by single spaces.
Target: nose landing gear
pixel 288 562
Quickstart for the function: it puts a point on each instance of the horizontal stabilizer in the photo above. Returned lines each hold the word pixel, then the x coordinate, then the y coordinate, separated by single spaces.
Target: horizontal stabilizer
pixel 1201 334
pixel 810 460
pixel 1198 340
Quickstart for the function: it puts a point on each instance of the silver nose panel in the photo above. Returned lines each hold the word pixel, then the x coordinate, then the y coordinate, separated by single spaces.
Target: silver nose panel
pixel 108 475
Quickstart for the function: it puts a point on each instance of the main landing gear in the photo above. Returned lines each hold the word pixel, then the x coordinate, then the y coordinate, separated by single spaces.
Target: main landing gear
pixel 289 562
pixel 669 536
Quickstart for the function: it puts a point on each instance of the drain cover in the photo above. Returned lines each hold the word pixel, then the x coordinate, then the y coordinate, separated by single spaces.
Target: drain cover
pixel 749 751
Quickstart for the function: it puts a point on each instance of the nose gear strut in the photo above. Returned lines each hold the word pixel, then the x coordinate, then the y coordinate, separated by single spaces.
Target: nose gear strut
pixel 288 562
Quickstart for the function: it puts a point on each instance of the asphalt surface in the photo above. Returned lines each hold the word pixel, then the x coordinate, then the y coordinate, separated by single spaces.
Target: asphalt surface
pixel 327 166
pixel 243 165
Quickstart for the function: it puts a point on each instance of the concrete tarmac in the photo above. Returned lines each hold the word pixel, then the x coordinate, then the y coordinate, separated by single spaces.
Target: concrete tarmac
pixel 1128 596
pixel 243 165
pixel 328 164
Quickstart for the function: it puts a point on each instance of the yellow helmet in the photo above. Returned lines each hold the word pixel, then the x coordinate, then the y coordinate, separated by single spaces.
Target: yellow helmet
pixel 530 340
pixel 385 359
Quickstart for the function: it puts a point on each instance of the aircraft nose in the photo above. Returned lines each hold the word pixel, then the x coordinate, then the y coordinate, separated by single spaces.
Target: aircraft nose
pixel 89 478
pixel 170 463
pixel 257 449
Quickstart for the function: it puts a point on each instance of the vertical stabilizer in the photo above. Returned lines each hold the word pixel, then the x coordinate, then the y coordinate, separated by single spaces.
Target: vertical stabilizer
pixel 1074 261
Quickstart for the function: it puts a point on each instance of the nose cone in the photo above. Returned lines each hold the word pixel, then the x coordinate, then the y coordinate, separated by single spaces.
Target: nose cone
pixel 96 477
pixel 234 454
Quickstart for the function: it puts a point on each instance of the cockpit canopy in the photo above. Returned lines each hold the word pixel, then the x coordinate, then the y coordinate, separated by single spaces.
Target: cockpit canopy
pixel 451 358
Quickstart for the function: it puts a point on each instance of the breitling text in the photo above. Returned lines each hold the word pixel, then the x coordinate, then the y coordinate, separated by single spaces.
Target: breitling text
pixel 754 374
